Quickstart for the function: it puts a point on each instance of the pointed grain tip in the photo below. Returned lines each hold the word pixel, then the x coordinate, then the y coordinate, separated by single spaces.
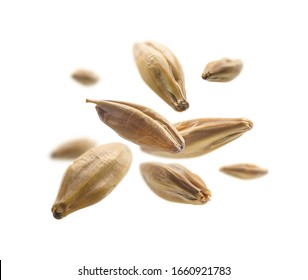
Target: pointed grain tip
pixel 206 198
pixel 179 148
pixel 204 76
pixel 53 154
pixel 182 106
pixel 93 101
pixel 90 101
pixel 250 124
pixel 57 215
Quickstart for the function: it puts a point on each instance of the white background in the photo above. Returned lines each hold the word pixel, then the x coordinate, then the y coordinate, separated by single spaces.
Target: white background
pixel 257 227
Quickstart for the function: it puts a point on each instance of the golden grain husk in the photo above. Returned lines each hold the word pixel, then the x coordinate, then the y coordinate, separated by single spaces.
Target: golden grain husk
pixel 223 70
pixel 140 125
pixel 175 183
pixel 72 148
pixel 205 135
pixel 244 170
pixel 91 177
pixel 162 72
pixel 85 77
